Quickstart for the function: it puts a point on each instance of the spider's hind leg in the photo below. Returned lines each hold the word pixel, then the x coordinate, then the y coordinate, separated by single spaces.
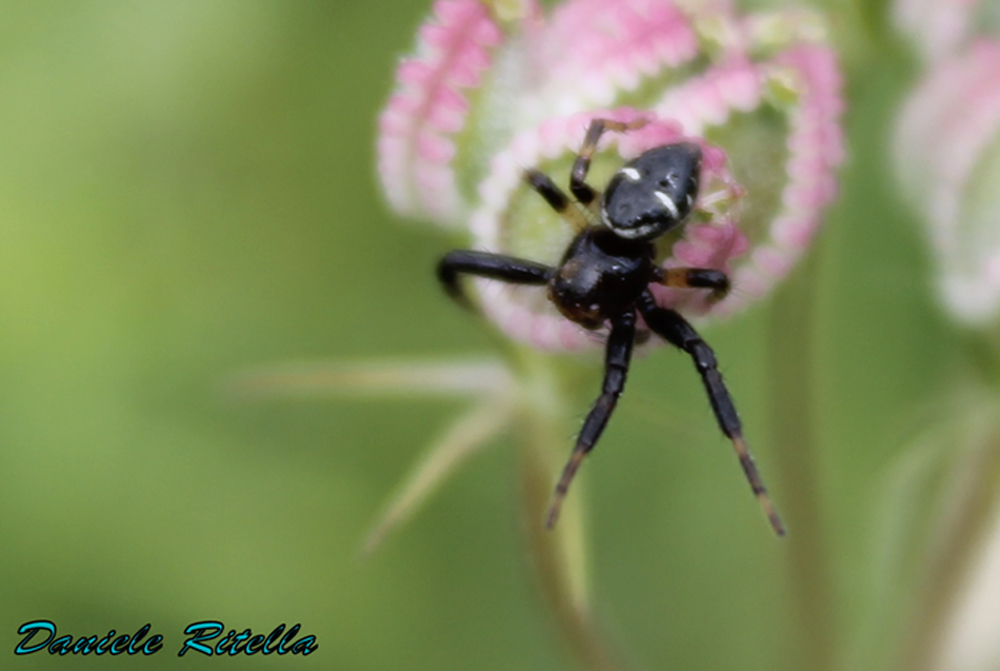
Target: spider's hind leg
pixel 677 331
pixel 616 361
pixel 485 264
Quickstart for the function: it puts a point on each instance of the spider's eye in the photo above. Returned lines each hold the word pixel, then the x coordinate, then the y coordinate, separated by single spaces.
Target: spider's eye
pixel 669 180
pixel 653 193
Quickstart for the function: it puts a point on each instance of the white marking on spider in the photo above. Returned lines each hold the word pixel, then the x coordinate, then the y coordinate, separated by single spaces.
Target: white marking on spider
pixel 631 173
pixel 668 203
pixel 627 233
pixel 634 233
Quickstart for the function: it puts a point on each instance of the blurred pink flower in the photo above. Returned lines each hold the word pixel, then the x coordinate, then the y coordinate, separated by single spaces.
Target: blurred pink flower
pixel 938 28
pixel 485 97
pixel 947 157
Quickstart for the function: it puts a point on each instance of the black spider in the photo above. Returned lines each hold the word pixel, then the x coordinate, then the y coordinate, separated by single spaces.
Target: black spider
pixel 604 276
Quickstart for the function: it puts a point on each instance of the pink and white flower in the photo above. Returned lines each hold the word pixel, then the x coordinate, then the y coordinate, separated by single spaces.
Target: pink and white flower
pixel 486 96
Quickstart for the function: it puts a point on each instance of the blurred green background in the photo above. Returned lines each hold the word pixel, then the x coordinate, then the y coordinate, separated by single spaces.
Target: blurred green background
pixel 187 191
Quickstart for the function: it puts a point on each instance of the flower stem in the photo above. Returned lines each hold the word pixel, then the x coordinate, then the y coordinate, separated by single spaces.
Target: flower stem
pixel 792 366
pixel 558 556
pixel 956 544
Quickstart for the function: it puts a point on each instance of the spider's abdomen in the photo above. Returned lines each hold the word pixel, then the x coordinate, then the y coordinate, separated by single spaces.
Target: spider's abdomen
pixel 601 276
pixel 653 193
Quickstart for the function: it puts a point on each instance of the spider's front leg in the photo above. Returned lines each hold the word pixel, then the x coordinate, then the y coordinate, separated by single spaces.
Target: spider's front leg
pixel 695 278
pixel 556 199
pixel 485 264
pixel 577 184
pixel 616 361
pixel 677 331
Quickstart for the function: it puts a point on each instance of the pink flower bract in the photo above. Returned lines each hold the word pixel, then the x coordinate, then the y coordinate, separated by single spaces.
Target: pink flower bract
pixel 484 99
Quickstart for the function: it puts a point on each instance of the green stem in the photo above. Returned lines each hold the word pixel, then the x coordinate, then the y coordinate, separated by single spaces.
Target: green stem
pixel 982 356
pixel 960 536
pixel 792 357
pixel 558 556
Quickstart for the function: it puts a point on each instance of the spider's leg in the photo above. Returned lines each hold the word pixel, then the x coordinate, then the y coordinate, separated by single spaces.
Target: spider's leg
pixel 583 191
pixel 616 361
pixel 555 197
pixel 696 278
pixel 484 264
pixel 677 331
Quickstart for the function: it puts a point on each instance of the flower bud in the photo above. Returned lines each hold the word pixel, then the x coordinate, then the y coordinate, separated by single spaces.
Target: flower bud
pixel 484 99
pixel 947 151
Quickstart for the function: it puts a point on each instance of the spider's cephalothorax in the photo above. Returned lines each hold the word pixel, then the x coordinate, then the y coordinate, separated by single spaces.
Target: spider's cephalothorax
pixel 604 277
pixel 653 193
